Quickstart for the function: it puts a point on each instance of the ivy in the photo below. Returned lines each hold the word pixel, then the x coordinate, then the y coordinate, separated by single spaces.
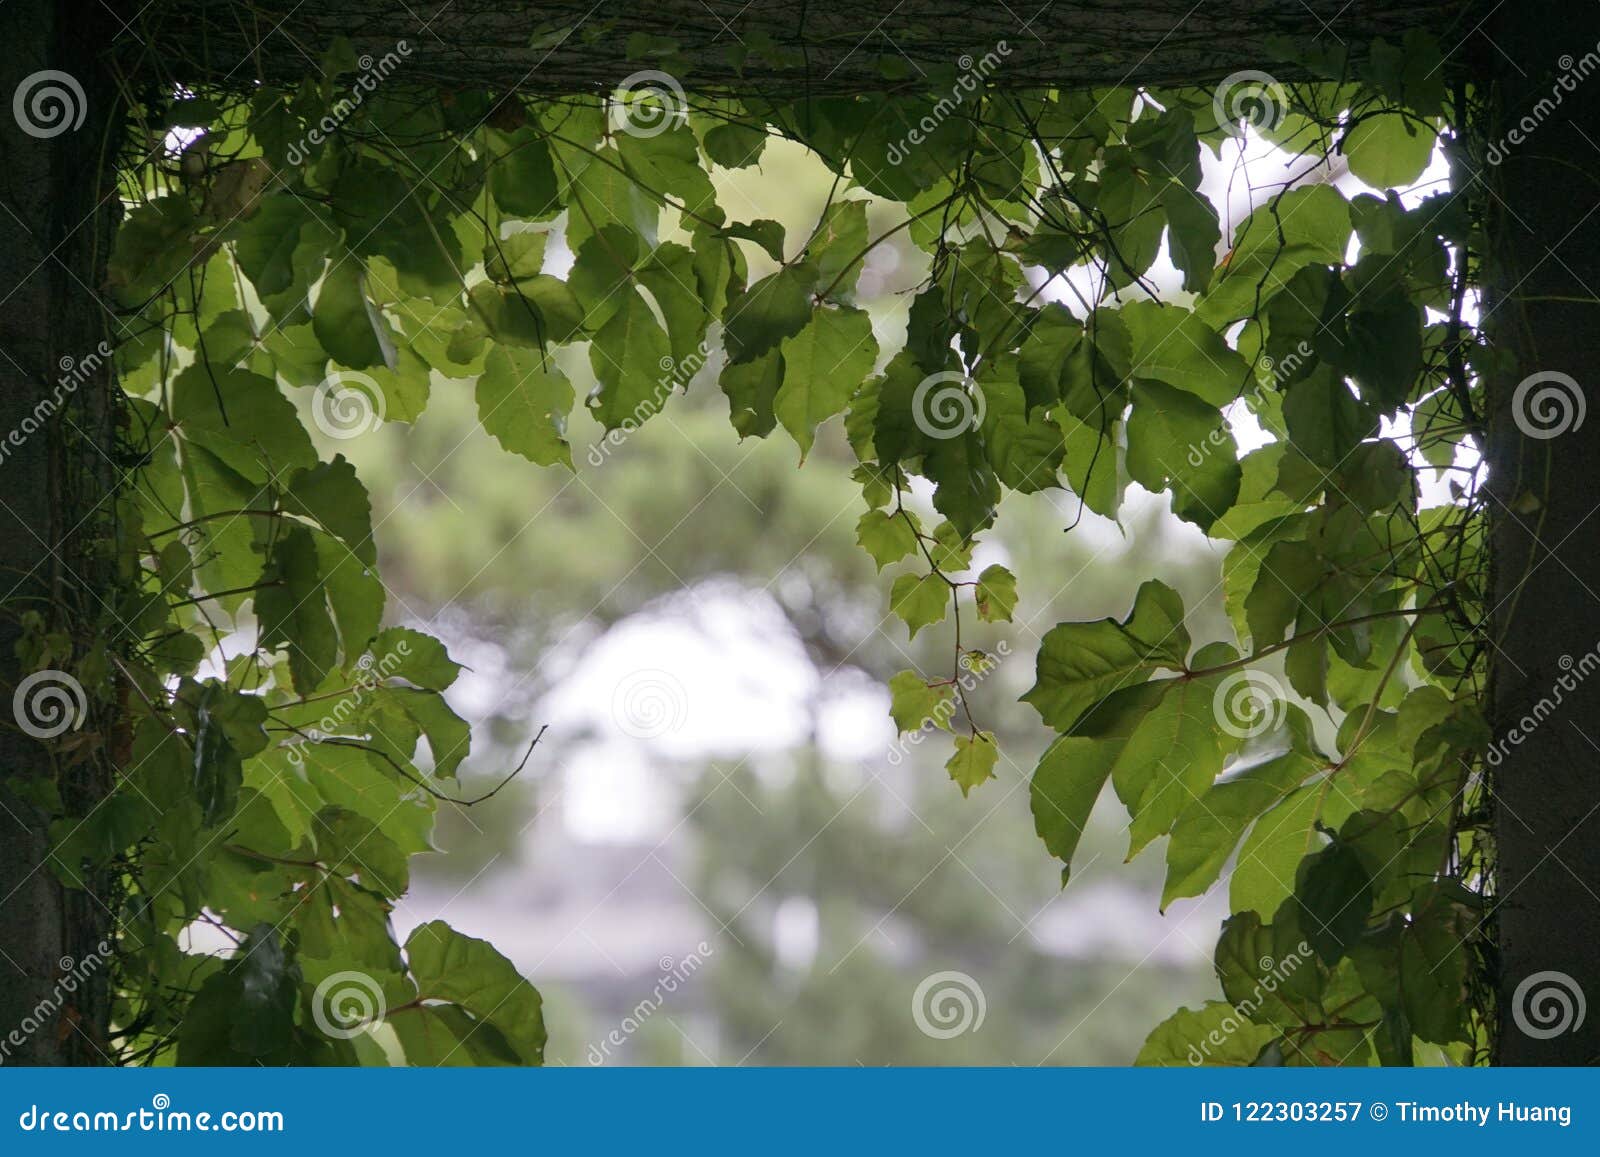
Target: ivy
pixel 286 754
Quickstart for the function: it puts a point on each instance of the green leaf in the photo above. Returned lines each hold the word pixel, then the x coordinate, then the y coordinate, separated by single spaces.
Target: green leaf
pixel 292 608
pixel 1172 345
pixel 331 493
pixel 1388 149
pixel 772 309
pixel 1024 449
pixel 966 490
pixel 1063 791
pixel 1335 897
pixel 449 736
pixel 1210 827
pixel 1263 876
pixel 913 703
pixel 518 257
pixel 1268 970
pixel 1193 235
pixel 245 1014
pixel 1307 226
pixel 153 247
pixel 750 388
pixel 416 657
pixel 355 596
pixel 522 178
pixel 1325 419
pixel 1090 464
pixel 632 360
pixel 436 1035
pixel 668 273
pixel 243 419
pixel 218 771
pixel 523 400
pixel 344 321
pixel 837 248
pixel 1081 664
pixel 887 537
pixel 470 974
pixel 1288 572
pixel 920 600
pixel 973 761
pixel 996 594
pixel 1177 440
pixel 765 233
pixel 1435 968
pixel 1215 1034
pixel 734 145
pixel 822 367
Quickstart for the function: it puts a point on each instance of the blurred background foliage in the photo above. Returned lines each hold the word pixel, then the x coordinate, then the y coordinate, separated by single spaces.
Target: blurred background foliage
pixel 695 620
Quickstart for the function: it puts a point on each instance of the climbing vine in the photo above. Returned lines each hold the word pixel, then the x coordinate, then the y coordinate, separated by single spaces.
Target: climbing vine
pixel 342 248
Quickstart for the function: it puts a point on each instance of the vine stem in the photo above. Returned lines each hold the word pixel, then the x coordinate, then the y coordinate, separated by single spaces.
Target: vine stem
pixel 1326 628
